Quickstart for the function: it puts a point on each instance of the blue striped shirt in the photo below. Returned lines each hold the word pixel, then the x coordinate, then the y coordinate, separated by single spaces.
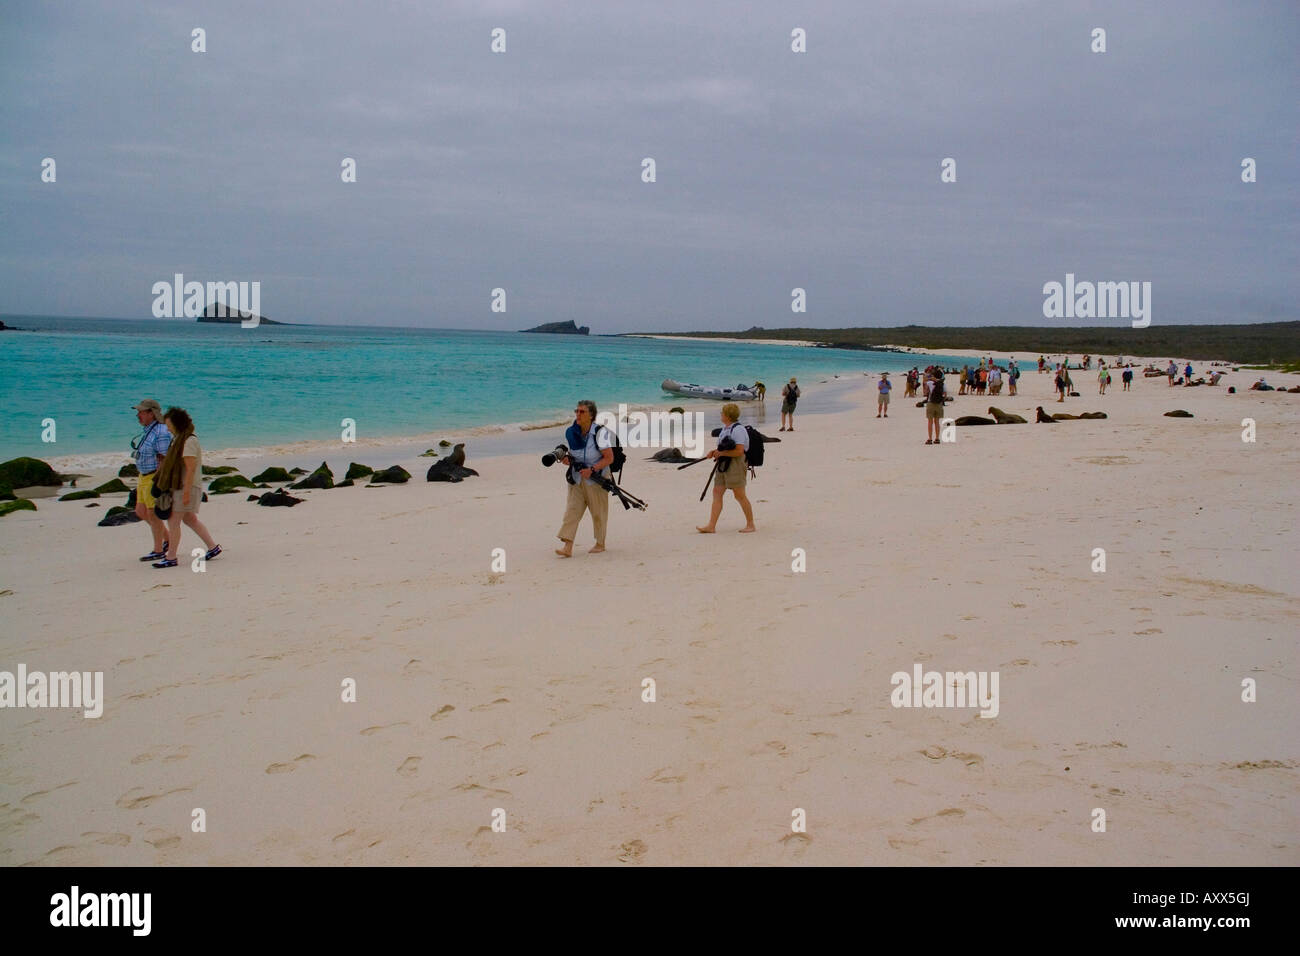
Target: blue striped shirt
pixel 157 439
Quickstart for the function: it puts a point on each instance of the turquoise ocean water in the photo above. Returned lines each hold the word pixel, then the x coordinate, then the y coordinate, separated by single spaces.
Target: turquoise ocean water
pixel 252 388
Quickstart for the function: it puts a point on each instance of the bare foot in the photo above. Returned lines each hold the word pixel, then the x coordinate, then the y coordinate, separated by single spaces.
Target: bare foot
pixel 596 549
pixel 748 530
pixel 564 554
pixel 704 530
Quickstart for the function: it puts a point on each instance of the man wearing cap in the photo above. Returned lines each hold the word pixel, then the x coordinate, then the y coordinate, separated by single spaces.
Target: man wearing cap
pixel 789 398
pixel 148 451
pixel 882 403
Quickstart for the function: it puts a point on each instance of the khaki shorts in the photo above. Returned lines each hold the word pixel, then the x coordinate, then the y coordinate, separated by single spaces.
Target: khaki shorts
pixel 933 411
pixel 144 490
pixel 735 476
pixel 884 398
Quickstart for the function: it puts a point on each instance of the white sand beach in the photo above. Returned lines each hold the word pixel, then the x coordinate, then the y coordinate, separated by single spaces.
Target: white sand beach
pixel 522 690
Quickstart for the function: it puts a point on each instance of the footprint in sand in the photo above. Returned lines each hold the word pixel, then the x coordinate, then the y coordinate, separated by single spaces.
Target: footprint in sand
pixel 162 840
pixel 442 711
pixel 128 802
pixel 291 766
pixel 108 839
pixel 41 793
pixel 376 729
pixel 798 842
pixel 499 700
pixel 631 851
pixel 949 812
pixel 410 766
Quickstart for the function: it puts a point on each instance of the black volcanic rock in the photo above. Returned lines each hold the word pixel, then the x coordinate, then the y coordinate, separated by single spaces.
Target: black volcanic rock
pixel 395 475
pixel 563 328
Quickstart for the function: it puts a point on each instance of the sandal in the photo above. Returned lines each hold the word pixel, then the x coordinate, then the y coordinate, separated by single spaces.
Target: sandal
pixel 155 555
pixel 165 563
pixel 928 442
pixel 212 554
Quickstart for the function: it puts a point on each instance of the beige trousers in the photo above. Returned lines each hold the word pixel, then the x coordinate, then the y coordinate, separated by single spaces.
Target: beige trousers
pixel 581 498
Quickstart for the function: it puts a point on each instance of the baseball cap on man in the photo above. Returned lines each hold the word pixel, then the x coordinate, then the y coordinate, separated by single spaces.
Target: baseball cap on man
pixel 151 405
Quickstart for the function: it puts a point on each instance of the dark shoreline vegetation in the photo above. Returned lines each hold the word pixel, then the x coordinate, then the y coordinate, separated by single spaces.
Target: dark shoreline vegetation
pixel 1267 342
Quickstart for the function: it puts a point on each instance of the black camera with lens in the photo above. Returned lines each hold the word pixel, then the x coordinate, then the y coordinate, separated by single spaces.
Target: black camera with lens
pixel 558 453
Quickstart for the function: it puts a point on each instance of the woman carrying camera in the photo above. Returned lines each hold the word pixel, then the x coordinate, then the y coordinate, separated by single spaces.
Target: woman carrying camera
pixel 733 442
pixel 590 453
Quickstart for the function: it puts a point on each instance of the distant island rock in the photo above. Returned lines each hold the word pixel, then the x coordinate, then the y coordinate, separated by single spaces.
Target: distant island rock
pixel 233 316
pixel 564 328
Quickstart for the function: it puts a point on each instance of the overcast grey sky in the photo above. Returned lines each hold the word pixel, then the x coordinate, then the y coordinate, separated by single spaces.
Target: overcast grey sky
pixel 775 169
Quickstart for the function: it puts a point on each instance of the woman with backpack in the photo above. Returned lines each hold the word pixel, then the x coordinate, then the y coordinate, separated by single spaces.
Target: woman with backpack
pixel 934 406
pixel 731 471
pixel 591 453
pixel 789 398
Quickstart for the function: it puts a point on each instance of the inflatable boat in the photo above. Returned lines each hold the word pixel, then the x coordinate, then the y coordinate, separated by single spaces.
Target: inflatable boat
pixel 741 393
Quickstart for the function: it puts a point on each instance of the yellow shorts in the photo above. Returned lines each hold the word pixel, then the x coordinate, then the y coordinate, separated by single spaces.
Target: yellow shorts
pixel 144 490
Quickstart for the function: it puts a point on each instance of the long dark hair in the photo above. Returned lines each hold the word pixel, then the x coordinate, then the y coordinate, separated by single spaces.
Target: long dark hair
pixel 170 473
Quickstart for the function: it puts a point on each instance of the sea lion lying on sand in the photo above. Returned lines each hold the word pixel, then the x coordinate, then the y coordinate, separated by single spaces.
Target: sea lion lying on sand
pixel 1093 415
pixel 975 420
pixel 673 455
pixel 1005 419
pixel 1044 417
pixel 1179 413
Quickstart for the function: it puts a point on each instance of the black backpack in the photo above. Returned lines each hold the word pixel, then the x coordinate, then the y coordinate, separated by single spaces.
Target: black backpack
pixel 620 456
pixel 754 453
pixel 936 392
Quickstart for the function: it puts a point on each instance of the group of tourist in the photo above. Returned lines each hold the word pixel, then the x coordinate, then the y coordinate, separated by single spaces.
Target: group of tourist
pixel 987 378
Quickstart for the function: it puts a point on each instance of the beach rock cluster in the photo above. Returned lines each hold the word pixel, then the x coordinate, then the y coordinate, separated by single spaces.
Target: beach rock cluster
pixel 26 473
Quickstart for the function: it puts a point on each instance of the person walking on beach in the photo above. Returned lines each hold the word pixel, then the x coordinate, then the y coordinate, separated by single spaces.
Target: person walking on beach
pixel 181 473
pixel 731 470
pixel 1013 376
pixel 909 390
pixel 590 455
pixel 789 398
pixel 1042 365
pixel 1060 384
pixel 1187 374
pixel 1103 378
pixel 882 402
pixel 1127 377
pixel 147 450
pixel 1172 372
pixel 933 406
